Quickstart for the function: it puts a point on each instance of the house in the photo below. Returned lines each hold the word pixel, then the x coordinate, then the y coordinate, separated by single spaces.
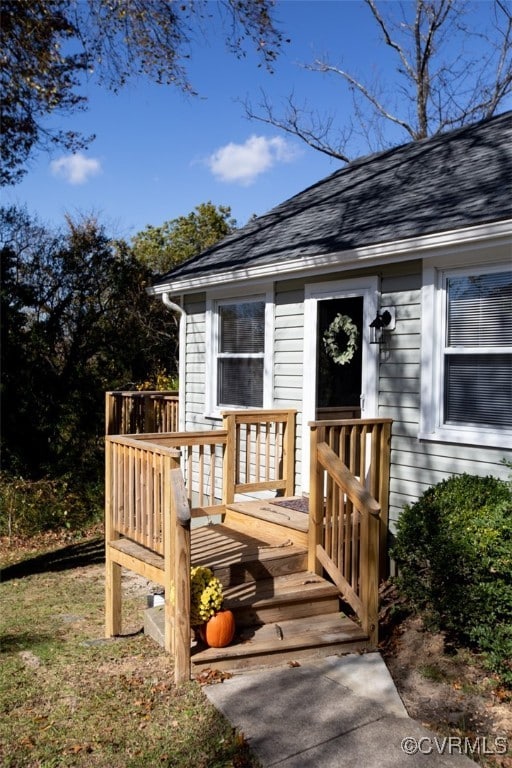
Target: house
pixel 383 290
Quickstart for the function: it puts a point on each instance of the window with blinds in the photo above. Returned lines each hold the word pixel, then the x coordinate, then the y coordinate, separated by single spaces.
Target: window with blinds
pixel 478 350
pixel 240 355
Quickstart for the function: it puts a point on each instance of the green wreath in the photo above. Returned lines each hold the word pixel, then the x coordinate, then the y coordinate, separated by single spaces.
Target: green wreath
pixel 346 324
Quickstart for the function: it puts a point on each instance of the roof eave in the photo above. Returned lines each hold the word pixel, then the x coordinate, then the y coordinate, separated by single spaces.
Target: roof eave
pixel 377 254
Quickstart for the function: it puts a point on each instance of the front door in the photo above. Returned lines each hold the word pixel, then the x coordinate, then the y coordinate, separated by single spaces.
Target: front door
pixel 340 365
pixel 339 357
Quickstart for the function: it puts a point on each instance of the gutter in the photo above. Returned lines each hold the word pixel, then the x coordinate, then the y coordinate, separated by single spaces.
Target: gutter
pixel 173 307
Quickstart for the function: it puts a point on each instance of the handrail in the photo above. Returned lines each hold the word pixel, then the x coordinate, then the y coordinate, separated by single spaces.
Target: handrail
pixel 360 590
pixel 342 476
pixel 364 446
pixel 349 485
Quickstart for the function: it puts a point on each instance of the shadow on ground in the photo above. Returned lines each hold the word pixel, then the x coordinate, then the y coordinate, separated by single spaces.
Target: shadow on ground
pixel 85 553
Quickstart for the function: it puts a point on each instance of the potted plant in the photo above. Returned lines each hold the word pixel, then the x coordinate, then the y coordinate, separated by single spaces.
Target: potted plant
pixel 215 624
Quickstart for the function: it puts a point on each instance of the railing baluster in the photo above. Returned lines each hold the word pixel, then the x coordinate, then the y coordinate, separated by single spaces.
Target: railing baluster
pixel 257 449
pixel 355 481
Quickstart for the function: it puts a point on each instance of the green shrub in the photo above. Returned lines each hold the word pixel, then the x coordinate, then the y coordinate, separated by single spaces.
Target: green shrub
pixel 28 507
pixel 453 549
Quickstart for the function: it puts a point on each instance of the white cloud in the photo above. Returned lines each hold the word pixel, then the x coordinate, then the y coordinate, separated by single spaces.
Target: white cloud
pixel 242 163
pixel 76 169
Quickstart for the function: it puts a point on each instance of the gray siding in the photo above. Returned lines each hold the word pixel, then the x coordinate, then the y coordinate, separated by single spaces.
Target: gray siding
pixel 195 357
pixel 288 357
pixel 415 464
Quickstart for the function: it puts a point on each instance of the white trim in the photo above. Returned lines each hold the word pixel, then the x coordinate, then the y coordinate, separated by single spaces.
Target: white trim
pixel 433 313
pixel 214 298
pixel 371 255
pixel 182 368
pixel 368 288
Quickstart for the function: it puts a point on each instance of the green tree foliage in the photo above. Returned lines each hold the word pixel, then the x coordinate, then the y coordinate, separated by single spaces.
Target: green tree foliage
pixel 161 248
pixel 49 46
pixel 76 321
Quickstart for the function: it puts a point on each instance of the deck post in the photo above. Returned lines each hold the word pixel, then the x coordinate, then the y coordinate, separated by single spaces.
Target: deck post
pixel 369 575
pixel 316 499
pixel 383 498
pixel 169 523
pixel 112 570
pixel 148 414
pixel 180 516
pixel 289 453
pixel 230 459
pixel 111 413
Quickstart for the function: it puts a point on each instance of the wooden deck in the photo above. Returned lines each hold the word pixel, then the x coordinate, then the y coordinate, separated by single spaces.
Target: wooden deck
pixel 284 613
pixel 302 579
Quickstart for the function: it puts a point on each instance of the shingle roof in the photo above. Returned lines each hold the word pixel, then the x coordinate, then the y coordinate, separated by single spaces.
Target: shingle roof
pixel 452 181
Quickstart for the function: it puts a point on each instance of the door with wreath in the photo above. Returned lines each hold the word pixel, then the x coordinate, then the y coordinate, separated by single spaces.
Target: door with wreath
pixel 339 358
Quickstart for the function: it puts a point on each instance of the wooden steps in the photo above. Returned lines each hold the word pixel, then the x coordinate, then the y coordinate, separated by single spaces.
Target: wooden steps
pixel 265 518
pixel 283 612
pixel 295 640
pixel 236 557
pixel 296 595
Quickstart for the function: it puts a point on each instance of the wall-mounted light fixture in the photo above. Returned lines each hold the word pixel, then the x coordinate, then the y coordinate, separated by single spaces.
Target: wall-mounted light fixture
pixel 384 321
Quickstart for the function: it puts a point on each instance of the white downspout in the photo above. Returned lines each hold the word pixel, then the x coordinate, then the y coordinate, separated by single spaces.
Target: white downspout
pixel 182 357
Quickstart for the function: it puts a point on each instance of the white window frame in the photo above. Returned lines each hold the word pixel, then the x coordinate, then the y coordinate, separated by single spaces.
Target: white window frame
pixel 434 350
pixel 216 299
pixel 368 289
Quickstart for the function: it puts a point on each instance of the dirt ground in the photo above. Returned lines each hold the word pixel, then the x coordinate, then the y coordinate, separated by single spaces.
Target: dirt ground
pixel 445 689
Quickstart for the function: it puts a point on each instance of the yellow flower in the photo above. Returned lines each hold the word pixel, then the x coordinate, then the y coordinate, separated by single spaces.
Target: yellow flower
pixel 206 595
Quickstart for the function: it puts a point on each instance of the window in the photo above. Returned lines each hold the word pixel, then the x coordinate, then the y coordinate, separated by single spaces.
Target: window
pixel 240 333
pixel 471 370
pixel 241 353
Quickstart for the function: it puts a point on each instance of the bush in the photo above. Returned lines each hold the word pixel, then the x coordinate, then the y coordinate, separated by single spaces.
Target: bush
pixel 453 549
pixel 28 507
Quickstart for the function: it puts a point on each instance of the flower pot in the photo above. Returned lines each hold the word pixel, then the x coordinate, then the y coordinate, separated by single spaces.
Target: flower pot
pixel 219 631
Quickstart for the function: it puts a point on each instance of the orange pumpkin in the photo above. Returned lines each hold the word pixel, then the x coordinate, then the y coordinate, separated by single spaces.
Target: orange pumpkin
pixel 220 629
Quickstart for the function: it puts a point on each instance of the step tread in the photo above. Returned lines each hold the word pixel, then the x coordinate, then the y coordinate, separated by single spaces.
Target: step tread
pixel 274 513
pixel 290 635
pixel 219 546
pixel 291 588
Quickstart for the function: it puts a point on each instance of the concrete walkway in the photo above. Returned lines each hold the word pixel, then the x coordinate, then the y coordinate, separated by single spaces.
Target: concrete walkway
pixel 336 712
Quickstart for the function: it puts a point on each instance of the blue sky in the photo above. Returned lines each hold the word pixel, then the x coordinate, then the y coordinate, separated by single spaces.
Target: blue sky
pixel 158 153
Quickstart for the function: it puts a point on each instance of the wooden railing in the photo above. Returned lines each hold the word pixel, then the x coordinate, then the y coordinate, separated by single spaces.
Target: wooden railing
pixel 128 413
pixel 203 458
pixel 348 509
pixel 136 490
pixel 253 452
pixel 148 504
pixel 147 530
pixel 261 453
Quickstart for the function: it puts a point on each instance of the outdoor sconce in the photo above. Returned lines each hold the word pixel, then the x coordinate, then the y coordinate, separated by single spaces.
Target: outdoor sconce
pixel 385 320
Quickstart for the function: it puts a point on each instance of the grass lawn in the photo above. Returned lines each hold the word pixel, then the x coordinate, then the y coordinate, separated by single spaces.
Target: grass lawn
pixel 70 698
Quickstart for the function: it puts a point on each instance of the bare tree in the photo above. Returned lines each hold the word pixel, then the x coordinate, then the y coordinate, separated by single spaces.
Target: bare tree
pixel 449 73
